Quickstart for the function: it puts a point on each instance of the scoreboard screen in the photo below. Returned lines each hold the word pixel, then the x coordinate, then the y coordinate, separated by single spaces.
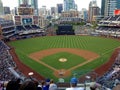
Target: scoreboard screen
pixel 27 21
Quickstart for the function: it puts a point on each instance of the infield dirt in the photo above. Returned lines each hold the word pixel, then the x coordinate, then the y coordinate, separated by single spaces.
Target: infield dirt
pixel 88 55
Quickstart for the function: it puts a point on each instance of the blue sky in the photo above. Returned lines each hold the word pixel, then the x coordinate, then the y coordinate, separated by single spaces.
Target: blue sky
pixel 50 3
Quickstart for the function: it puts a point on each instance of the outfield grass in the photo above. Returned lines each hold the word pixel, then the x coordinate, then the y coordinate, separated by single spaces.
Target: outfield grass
pixel 102 46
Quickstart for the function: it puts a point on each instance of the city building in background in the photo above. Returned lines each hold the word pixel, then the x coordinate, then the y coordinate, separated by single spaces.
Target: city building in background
pixel 14 11
pixel 7 17
pixel 71 13
pixel 43 22
pixel 103 7
pixel 71 16
pixel 25 11
pixel 34 4
pixel 29 3
pixel 110 6
pixel 69 4
pixel 84 14
pixel 53 10
pixel 54 13
pixel 59 8
pixel 6 10
pixel 22 3
pixel 1 8
pixel 43 11
pixel 94 10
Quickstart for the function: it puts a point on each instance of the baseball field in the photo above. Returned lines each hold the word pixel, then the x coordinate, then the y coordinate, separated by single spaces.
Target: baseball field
pixel 63 56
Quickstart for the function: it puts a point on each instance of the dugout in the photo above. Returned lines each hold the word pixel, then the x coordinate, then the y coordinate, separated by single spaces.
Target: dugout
pixel 65 30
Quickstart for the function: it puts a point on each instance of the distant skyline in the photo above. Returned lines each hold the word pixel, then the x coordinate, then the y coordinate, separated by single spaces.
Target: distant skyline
pixel 51 3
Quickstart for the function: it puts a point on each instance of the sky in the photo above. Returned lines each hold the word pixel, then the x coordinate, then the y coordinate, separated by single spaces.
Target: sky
pixel 51 3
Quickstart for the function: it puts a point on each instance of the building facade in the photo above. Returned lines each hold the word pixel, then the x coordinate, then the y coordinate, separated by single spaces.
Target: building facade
pixel 69 4
pixel 34 4
pixel 109 7
pixel 29 3
pixel 103 7
pixel 84 14
pixel 71 13
pixel 94 10
pixel 6 10
pixel 53 10
pixel 59 8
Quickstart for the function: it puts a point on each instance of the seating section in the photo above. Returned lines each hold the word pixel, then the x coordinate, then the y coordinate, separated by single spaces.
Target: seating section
pixel 109 26
pixel 28 31
pixel 111 18
pixel 35 27
pixel 20 28
pixel 7 28
pixel 6 62
pixel 112 77
pixel 28 27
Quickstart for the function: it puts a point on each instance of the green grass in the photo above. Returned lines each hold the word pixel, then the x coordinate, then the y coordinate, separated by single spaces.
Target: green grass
pixel 72 60
pixel 102 46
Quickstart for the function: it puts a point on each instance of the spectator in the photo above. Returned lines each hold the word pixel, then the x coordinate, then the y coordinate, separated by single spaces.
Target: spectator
pixel 52 86
pixel 1 86
pixel 39 87
pixel 28 85
pixel 17 84
pixel 6 62
pixel 117 87
pixel 47 84
pixel 73 85
pixel 11 85
pixel 95 86
pixel 44 85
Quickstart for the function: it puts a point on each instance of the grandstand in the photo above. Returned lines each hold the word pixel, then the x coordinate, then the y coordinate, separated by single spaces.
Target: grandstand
pixel 7 28
pixel 7 65
pixel 112 76
pixel 29 32
pixel 109 26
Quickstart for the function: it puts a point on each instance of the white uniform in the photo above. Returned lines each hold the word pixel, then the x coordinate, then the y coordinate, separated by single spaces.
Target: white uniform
pixel 75 88
pixel 53 86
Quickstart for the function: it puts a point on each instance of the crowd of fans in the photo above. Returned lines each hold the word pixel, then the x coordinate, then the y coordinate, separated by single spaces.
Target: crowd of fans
pixel 112 77
pixel 29 84
pixel 7 65
pixel 109 26
pixel 5 62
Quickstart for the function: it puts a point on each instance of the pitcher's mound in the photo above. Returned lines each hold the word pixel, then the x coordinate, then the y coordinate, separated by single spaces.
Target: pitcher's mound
pixel 62 59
